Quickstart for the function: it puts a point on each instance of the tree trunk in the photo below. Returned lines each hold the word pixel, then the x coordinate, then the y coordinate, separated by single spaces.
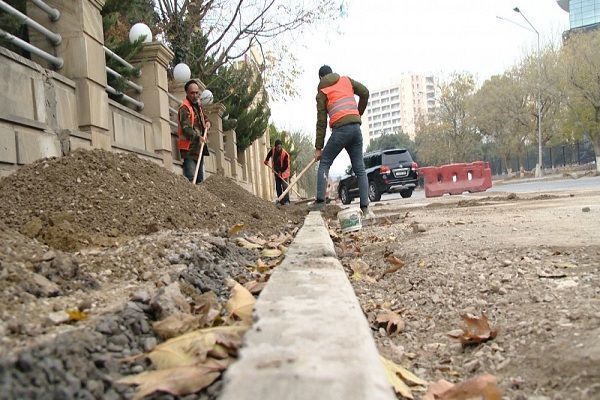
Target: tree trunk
pixel 596 146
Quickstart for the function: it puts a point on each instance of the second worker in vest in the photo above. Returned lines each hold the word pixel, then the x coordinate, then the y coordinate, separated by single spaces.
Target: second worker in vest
pixel 281 169
pixel 192 124
pixel 335 99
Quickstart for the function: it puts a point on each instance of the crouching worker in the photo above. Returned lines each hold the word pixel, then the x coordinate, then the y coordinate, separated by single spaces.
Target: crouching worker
pixel 192 126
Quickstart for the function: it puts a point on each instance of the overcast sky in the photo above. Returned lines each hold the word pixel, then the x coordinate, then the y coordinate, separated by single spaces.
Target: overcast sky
pixel 379 39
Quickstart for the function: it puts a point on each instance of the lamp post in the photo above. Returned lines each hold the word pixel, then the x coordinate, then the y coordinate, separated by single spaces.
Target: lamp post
pixel 539 169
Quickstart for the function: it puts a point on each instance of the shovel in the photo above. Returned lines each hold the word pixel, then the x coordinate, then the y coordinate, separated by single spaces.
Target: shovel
pixel 284 181
pixel 199 158
pixel 310 164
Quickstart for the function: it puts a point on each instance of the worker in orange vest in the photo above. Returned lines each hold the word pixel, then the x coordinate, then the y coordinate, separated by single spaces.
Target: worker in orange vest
pixel 280 160
pixel 192 124
pixel 335 100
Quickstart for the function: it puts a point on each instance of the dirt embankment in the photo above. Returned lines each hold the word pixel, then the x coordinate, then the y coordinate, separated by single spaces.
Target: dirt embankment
pixel 106 233
pixel 95 197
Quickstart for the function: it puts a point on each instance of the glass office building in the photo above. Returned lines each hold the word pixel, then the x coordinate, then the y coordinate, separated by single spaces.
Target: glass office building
pixel 582 13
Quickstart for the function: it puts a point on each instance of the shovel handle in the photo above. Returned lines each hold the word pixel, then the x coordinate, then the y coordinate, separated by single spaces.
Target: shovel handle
pixel 286 183
pixel 199 158
pixel 310 164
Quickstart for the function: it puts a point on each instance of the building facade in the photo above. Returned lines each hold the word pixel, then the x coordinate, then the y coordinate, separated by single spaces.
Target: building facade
pixel 583 14
pixel 399 106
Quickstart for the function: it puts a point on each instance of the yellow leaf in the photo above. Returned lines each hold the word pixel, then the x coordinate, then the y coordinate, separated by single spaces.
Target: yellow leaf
pixel 240 303
pixel 176 381
pixel 397 383
pixel 193 347
pixel 271 253
pixel 182 351
pixel 392 371
pixel 246 244
pixel 235 229
pixel 76 315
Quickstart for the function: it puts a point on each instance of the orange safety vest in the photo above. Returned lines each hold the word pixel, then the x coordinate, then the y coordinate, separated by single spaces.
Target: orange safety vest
pixel 285 174
pixel 340 100
pixel 183 143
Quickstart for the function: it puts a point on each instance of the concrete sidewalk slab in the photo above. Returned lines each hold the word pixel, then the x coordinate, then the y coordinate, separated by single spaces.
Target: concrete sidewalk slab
pixel 310 340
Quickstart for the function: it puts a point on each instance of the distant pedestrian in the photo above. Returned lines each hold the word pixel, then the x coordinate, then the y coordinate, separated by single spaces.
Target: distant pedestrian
pixel 335 100
pixel 192 124
pixel 280 160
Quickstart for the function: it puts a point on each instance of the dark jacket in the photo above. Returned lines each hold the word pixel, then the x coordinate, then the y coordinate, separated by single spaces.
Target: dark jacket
pixel 331 79
pixel 279 165
pixel 192 133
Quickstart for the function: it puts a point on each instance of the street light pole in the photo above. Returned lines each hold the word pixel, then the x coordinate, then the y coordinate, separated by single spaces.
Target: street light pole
pixel 539 169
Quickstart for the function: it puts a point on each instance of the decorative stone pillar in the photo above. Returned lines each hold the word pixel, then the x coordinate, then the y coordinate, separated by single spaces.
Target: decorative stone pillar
pixel 268 186
pixel 153 60
pixel 214 113
pixel 231 152
pixel 81 48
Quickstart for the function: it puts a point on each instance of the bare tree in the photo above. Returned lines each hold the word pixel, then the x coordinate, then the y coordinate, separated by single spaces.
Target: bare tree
pixel 227 29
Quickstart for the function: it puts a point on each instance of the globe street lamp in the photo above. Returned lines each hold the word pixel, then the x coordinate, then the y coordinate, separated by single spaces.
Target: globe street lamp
pixel 539 169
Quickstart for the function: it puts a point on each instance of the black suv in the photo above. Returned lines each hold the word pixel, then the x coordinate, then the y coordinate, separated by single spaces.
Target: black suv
pixel 388 171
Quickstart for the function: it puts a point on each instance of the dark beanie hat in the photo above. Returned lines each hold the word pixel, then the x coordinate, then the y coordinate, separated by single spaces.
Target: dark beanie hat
pixel 324 70
pixel 277 142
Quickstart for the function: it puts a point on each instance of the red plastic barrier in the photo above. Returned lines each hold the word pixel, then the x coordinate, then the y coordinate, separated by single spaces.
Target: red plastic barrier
pixel 456 178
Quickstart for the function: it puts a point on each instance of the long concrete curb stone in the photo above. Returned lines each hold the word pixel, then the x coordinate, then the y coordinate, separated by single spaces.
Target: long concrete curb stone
pixel 310 339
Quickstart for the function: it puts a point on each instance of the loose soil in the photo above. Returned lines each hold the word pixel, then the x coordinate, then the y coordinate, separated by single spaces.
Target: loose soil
pixel 104 233
pixel 530 263
pixel 95 198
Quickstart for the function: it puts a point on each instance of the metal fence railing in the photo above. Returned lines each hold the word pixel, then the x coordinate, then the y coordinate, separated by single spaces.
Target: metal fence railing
pixel 54 38
pixel 139 105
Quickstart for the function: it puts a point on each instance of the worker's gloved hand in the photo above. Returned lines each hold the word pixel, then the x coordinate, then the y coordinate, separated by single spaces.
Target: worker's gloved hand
pixel 266 163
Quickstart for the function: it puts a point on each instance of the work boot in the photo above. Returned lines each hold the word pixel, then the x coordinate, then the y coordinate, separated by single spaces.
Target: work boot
pixel 367 213
pixel 317 205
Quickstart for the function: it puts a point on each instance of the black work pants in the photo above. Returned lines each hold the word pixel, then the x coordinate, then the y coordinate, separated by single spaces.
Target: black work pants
pixel 280 185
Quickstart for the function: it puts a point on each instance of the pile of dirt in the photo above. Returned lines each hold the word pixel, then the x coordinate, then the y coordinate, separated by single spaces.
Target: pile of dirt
pixel 30 270
pixel 96 197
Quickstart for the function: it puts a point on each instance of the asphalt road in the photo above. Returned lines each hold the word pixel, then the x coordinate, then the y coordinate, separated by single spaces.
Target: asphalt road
pixel 540 185
pixel 529 186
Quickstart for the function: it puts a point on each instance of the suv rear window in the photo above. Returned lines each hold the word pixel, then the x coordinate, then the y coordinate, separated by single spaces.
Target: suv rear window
pixel 396 157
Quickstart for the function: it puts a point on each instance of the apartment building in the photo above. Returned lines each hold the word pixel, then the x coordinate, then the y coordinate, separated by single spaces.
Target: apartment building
pixel 399 105
pixel 583 14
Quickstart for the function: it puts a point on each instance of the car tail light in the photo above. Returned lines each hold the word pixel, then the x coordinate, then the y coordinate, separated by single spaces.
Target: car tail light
pixel 384 169
pixel 414 166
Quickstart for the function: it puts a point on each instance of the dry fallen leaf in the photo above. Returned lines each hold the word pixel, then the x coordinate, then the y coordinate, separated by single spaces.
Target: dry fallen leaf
pixel 394 371
pixel 76 315
pixel 193 347
pixel 234 230
pixel 396 265
pixel 247 245
pixel 176 324
pixel 271 253
pixel 207 307
pixel 176 381
pixel 477 331
pixel 240 303
pixel 391 321
pixel 482 387
pixel 360 271
pixel 256 240
pixel 255 287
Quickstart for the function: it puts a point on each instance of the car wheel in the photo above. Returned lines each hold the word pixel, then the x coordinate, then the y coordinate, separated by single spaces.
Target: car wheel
pixel 344 195
pixel 406 193
pixel 374 193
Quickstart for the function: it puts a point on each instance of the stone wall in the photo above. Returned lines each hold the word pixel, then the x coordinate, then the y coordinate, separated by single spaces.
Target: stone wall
pixel 46 113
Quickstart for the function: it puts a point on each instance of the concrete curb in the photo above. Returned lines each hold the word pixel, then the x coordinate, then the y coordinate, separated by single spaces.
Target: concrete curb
pixel 311 340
